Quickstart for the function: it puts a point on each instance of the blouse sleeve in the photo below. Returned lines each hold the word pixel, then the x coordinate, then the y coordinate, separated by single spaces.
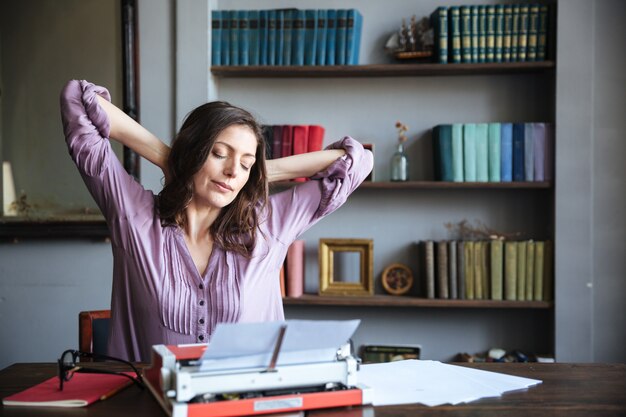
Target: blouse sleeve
pixel 86 128
pixel 297 209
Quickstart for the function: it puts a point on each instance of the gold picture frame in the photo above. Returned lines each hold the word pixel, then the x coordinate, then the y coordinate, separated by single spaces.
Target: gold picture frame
pixel 346 267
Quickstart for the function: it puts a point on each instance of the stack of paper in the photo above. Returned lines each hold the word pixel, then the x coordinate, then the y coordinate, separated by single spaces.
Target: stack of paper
pixel 433 383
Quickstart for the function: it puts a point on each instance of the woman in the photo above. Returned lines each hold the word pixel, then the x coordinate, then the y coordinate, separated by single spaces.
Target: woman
pixel 208 249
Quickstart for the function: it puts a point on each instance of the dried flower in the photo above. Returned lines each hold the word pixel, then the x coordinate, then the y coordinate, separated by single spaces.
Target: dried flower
pixel 402 129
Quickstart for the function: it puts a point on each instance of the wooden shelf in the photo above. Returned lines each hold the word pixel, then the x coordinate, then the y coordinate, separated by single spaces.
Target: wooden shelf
pixel 381 70
pixel 411 302
pixel 438 185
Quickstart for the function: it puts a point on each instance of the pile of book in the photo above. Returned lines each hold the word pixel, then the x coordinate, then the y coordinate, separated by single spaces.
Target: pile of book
pixel 487 269
pixel 286 37
pixel 493 33
pixel 493 152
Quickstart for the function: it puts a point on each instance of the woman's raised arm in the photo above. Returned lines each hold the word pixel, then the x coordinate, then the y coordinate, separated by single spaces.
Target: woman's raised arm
pixel 302 165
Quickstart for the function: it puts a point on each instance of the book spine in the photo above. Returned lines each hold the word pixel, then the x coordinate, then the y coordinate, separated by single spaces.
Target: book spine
pixel 522 37
pixel 466 34
pixel 289 17
pixel 271 37
pixel 468 257
pixel 482 158
pixel 457 152
pixel 495 151
pixel 331 37
pixel 539 269
pixel 429 262
pixel 234 37
pixel 542 35
pixel 358 33
pixel 225 24
pixel 530 270
pixel 514 31
pixel 320 49
pixel 255 39
pixel 263 37
pixel 244 37
pixel 533 32
pixel 529 152
pixel 474 32
pixel 478 270
pixel 310 37
pixel 518 151
pixel 454 34
pixel 495 258
pixel 486 269
pixel 300 143
pixel 548 170
pixel 548 271
pixel 499 33
pixel 522 250
pixel 460 269
pixel 280 38
pixel 510 271
pixel 299 31
pixel 491 33
pixel 340 46
pixel 442 270
pixel 469 152
pixel 539 147
pixel 287 141
pixel 216 37
pixel 439 22
pixel 508 28
pixel 445 153
pixel 482 33
pixel 316 138
pixel 295 269
pixel 452 270
pixel 506 152
pixel 350 36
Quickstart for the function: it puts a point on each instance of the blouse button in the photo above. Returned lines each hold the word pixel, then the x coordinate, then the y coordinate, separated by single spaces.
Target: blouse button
pixel 201 337
pixel 201 321
pixel 201 302
pixel 201 286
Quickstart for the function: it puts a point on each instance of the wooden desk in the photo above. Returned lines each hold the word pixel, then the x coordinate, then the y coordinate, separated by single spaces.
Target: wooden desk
pixel 594 390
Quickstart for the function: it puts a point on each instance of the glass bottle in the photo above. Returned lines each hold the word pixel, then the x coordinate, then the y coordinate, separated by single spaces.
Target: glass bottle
pixel 399 165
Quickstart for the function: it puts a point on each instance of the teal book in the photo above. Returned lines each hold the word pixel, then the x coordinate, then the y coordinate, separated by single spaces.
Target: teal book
pixel 353 36
pixel 542 36
pixel 255 40
pixel 499 33
pixel 491 34
pixel 289 17
pixel 271 37
pixel 340 44
pixel 298 37
pixel 280 38
pixel 474 31
pixel 320 49
pixel 454 34
pixel 522 36
pixel 442 147
pixel 234 37
pixel 466 34
pixel 514 31
pixel 244 37
pixel 482 158
pixel 331 36
pixel 529 152
pixel 216 37
pixel 439 23
pixel 506 37
pixel 506 152
pixel 225 24
pixel 310 36
pixel 263 37
pixel 482 33
pixel 533 31
pixel 494 151
pixel 469 152
pixel 457 152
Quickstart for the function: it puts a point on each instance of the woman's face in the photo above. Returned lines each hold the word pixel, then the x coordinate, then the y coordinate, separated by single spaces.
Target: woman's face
pixel 227 168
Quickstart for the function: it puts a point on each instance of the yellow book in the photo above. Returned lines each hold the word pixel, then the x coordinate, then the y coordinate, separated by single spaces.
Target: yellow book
pixel 548 271
pixel 468 259
pixel 510 271
pixel 496 246
pixel 530 270
pixel 485 268
pixel 478 270
pixel 521 270
pixel 538 285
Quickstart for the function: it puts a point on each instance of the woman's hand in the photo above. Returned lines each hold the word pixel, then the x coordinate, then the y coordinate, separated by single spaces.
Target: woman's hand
pixel 302 165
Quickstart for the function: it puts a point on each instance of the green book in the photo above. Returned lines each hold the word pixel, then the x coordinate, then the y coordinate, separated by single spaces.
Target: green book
pixel 539 269
pixel 485 270
pixel 533 31
pixel 466 34
pixel 522 250
pixel 482 158
pixel 494 150
pixel 474 30
pixel 499 33
pixel 491 33
pixel 478 270
pixel 460 269
pixel 454 34
pixel 506 36
pixel 457 152
pixel 530 270
pixel 514 31
pixel 468 258
pixel 510 271
pixel 548 271
pixel 496 249
pixel 442 270
pixel 482 33
pixel 542 35
pixel 439 22
pixel 522 35
pixel 469 152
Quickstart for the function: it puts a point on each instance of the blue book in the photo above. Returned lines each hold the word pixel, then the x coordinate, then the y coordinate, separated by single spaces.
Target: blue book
pixel 331 36
pixel 288 20
pixel 495 151
pixel 482 152
pixel 298 38
pixel 454 34
pixel 225 37
pixel 482 33
pixel 518 152
pixel 280 19
pixel 263 37
pixel 439 23
pixel 353 36
pixel 529 152
pixel 244 37
pixel 310 37
pixel 474 24
pixel 254 29
pixel 271 37
pixel 234 37
pixel 340 44
pixel 469 152
pixel 506 152
pixel 466 34
pixel 320 49
pixel 457 152
pixel 216 37
pixel 442 146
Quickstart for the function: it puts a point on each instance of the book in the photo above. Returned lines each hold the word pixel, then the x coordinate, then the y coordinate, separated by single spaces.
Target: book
pixel 295 269
pixel 482 33
pixel 539 154
pixel 514 31
pixel 494 151
pixel 354 26
pixel 454 34
pixel 522 250
pixel 548 169
pixel 340 45
pixel 474 32
pixel 439 23
pixel 469 152
pixel 389 353
pixel 298 42
pixel 522 34
pixel 478 271
pixel 320 36
pixel 506 35
pixel 331 36
pixel 289 17
pixel 216 37
pixel 548 271
pixel 271 37
pixel 428 259
pixel 460 269
pixel 300 135
pixel 254 55
pixel 225 37
pixel 287 141
pixel 452 270
pixel 468 269
pixel 277 141
pixel 442 147
pixel 466 34
pixel 315 141
pixel 518 151
pixel 529 152
pixel 279 54
pixel 491 34
pixel 263 36
pixel 542 34
pixel 498 33
pixel 268 136
pixel 482 157
pixel 442 270
pixel 510 270
pixel 234 37
pixel 506 152
pixel 82 390
pixel 310 36
pixel 457 152
pixel 496 247
pixel 533 31
pixel 530 270
pixel 244 37
pixel 539 270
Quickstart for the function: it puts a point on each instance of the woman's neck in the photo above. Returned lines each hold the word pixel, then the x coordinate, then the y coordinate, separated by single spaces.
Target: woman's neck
pixel 199 222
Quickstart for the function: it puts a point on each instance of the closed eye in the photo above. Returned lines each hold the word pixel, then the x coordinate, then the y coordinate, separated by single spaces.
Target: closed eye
pixel 219 156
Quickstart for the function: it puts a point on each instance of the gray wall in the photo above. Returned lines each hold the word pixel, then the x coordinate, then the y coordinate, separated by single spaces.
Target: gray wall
pixel 43 285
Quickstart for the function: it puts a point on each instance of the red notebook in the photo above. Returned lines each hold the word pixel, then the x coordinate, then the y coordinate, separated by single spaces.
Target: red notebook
pixel 80 391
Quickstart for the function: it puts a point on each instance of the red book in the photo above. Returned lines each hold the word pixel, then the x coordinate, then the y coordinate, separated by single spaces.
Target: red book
pixel 277 141
pixel 287 140
pixel 300 143
pixel 295 269
pixel 80 391
pixel 282 281
pixel 316 138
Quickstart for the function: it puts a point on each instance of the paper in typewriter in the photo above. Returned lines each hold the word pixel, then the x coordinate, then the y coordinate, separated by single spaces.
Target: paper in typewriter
pixel 238 346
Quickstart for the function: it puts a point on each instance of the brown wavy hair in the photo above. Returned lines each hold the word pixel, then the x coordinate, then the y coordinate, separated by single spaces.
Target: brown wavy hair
pixel 236 226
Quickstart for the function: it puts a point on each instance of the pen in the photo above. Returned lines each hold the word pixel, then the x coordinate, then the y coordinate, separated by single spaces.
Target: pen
pixel 114 391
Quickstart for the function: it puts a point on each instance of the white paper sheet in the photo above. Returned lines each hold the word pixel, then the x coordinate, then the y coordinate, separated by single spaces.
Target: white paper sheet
pixel 251 345
pixel 434 383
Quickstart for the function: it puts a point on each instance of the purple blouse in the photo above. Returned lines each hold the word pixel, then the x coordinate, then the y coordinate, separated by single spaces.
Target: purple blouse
pixel 158 296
